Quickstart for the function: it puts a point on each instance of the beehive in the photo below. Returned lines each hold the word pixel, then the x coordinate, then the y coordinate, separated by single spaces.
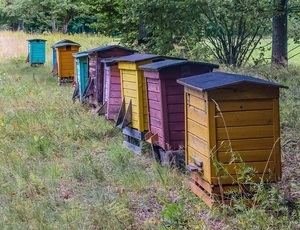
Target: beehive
pixel 165 99
pixel 133 89
pixel 36 51
pixel 96 69
pixel 64 67
pixel 112 99
pixel 231 122
pixel 81 62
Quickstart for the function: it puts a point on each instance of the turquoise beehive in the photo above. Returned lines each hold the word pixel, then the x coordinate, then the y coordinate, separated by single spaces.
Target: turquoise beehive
pixel 36 51
pixel 81 66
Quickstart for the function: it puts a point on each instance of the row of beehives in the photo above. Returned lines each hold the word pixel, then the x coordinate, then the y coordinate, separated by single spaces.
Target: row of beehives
pixel 220 120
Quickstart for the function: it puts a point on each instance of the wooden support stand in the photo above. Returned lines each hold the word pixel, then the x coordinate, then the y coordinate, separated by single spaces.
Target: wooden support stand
pixel 215 194
pixel 133 139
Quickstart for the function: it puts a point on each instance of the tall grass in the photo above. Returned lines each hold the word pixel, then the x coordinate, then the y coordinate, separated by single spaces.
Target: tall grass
pixel 62 167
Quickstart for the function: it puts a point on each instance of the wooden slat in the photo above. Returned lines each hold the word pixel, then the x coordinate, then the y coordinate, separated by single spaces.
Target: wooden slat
pixel 175 117
pixel 153 113
pixel 197 103
pixel 245 132
pixel 175 89
pixel 244 91
pixel 200 181
pixel 198 144
pixel 177 136
pixel 176 126
pixel 175 108
pixel 152 87
pixel 195 93
pixel 206 161
pixel 197 115
pixel 130 85
pixel 244 105
pixel 154 96
pixel 246 156
pixel 127 66
pixel 247 144
pixel 201 194
pixel 175 99
pixel 130 92
pixel 245 118
pixel 230 180
pixel 277 147
pixel 198 130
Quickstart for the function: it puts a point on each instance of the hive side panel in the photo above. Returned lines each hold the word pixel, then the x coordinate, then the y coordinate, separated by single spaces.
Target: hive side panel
pixel 155 108
pixel 245 132
pixel 175 109
pixel 66 63
pixel 129 90
pixel 197 132
pixel 114 93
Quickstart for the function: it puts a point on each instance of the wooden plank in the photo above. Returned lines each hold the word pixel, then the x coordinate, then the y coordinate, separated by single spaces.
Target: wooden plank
pixel 153 96
pixel 175 117
pixel 152 87
pixel 187 140
pixel 128 77
pixel 155 121
pixel 244 132
pixel 175 108
pixel 127 66
pixel 232 179
pixel 247 144
pixel 115 87
pixel 177 136
pixel 244 91
pixel 198 144
pixel 115 79
pixel 238 168
pixel 130 85
pixel 212 135
pixel 155 105
pixel 115 94
pixel 206 161
pixel 197 115
pixel 133 133
pixel 198 130
pixel 245 105
pixel 175 99
pixel 115 101
pixel 246 156
pixel 153 113
pixel 245 118
pixel 277 147
pixel 130 93
pixel 203 183
pixel 197 103
pixel 202 195
pixel 195 93
pixel 136 149
pixel 176 126
pixel 175 90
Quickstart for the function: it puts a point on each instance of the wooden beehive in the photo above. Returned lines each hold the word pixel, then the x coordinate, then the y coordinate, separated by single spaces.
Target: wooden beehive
pixel 165 99
pixel 36 51
pixel 64 67
pixel 81 65
pixel 112 99
pixel 231 122
pixel 96 69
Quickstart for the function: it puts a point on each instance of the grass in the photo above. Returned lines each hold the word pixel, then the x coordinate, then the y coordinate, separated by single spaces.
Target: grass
pixel 62 167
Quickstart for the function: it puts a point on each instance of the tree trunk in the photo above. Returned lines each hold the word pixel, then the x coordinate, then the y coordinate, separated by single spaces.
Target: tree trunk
pixel 280 38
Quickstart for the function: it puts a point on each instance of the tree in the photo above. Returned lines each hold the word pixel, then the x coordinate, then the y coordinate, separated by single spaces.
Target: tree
pixel 232 28
pixel 280 33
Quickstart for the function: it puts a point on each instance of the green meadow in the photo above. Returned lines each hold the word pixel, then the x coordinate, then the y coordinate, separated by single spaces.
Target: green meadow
pixel 62 167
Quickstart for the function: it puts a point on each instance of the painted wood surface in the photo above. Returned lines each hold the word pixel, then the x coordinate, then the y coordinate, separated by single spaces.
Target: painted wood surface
pixel 167 96
pixel 133 87
pixel 96 71
pixel 243 123
pixel 65 61
pixel 37 51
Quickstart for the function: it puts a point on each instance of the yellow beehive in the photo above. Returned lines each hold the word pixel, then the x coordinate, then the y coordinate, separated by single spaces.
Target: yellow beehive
pixel 65 64
pixel 133 87
pixel 231 123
